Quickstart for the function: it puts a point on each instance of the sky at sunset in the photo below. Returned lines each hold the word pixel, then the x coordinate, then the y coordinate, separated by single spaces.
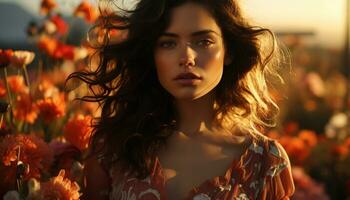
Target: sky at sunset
pixel 326 18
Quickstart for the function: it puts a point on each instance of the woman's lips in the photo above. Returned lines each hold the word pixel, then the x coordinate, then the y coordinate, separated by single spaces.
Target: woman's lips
pixel 188 79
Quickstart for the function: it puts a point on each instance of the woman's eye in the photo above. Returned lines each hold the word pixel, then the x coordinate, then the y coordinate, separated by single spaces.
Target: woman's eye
pixel 167 44
pixel 204 43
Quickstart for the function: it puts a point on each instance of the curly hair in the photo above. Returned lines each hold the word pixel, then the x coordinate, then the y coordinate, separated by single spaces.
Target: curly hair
pixel 138 115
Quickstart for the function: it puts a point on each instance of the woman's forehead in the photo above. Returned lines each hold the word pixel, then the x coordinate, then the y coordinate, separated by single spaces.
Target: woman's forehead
pixel 191 17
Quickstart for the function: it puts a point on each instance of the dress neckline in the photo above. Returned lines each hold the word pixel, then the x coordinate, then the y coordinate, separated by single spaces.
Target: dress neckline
pixel 222 179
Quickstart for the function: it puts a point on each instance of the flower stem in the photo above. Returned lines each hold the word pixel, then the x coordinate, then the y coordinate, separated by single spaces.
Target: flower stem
pixel 1 120
pixel 47 136
pixel 26 76
pixel 9 96
pixel 8 88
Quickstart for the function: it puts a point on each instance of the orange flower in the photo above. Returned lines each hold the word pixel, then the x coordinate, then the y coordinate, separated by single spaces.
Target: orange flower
pixel 20 58
pixel 273 134
pixel 78 131
pixel 87 11
pixel 52 108
pixel 2 89
pixel 291 128
pixel 47 45
pixel 25 110
pixel 310 105
pixel 340 151
pixel 5 57
pixel 295 148
pixel 56 77
pixel 309 137
pixel 58 187
pixel 17 85
pixel 47 6
pixel 61 25
pixel 347 142
pixel 46 88
pixel 33 152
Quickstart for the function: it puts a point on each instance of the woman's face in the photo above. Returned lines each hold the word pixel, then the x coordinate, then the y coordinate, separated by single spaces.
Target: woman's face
pixel 189 55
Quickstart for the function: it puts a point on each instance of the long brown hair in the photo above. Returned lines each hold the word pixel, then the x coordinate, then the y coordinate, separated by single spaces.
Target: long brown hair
pixel 137 113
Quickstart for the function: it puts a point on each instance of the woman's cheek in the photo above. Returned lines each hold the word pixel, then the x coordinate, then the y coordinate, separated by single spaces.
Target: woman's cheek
pixel 213 57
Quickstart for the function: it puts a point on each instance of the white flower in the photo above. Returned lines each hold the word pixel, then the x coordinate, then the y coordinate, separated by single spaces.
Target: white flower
pixel 50 27
pixel 21 58
pixel 11 195
pixel 80 53
pixel 33 186
pixel 339 120
pixel 316 84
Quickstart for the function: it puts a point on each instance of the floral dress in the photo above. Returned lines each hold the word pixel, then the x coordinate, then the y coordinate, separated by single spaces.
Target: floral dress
pixel 262 172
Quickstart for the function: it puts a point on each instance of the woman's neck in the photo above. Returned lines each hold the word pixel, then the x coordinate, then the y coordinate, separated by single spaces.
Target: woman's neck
pixel 195 116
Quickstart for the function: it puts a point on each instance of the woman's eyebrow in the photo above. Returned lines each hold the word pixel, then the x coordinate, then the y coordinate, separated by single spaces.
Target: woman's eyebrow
pixel 197 33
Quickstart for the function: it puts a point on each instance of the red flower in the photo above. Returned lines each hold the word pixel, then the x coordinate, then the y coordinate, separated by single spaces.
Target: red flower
pixel 51 108
pixel 64 51
pixel 78 131
pixel 291 128
pixel 61 25
pixel 47 6
pixel 341 151
pixel 5 57
pixel 87 11
pixel 2 89
pixel 347 142
pixel 33 151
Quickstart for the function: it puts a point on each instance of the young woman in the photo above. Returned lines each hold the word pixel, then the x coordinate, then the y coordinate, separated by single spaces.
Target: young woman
pixel 185 102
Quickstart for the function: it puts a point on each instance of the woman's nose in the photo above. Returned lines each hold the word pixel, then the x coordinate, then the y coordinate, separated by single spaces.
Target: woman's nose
pixel 187 56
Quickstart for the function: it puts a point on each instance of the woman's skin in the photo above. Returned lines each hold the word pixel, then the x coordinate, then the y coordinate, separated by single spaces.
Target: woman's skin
pixel 198 150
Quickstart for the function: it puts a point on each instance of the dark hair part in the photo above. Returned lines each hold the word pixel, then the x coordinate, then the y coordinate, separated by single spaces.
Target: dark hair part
pixel 137 113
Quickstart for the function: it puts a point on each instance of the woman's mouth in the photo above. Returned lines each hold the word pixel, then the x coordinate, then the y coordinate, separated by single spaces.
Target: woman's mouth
pixel 188 78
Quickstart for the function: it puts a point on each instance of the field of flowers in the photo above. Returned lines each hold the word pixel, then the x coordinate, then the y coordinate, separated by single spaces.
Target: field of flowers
pixel 45 132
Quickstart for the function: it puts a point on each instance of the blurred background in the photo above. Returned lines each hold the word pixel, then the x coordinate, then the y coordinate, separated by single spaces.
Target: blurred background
pixel 314 119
